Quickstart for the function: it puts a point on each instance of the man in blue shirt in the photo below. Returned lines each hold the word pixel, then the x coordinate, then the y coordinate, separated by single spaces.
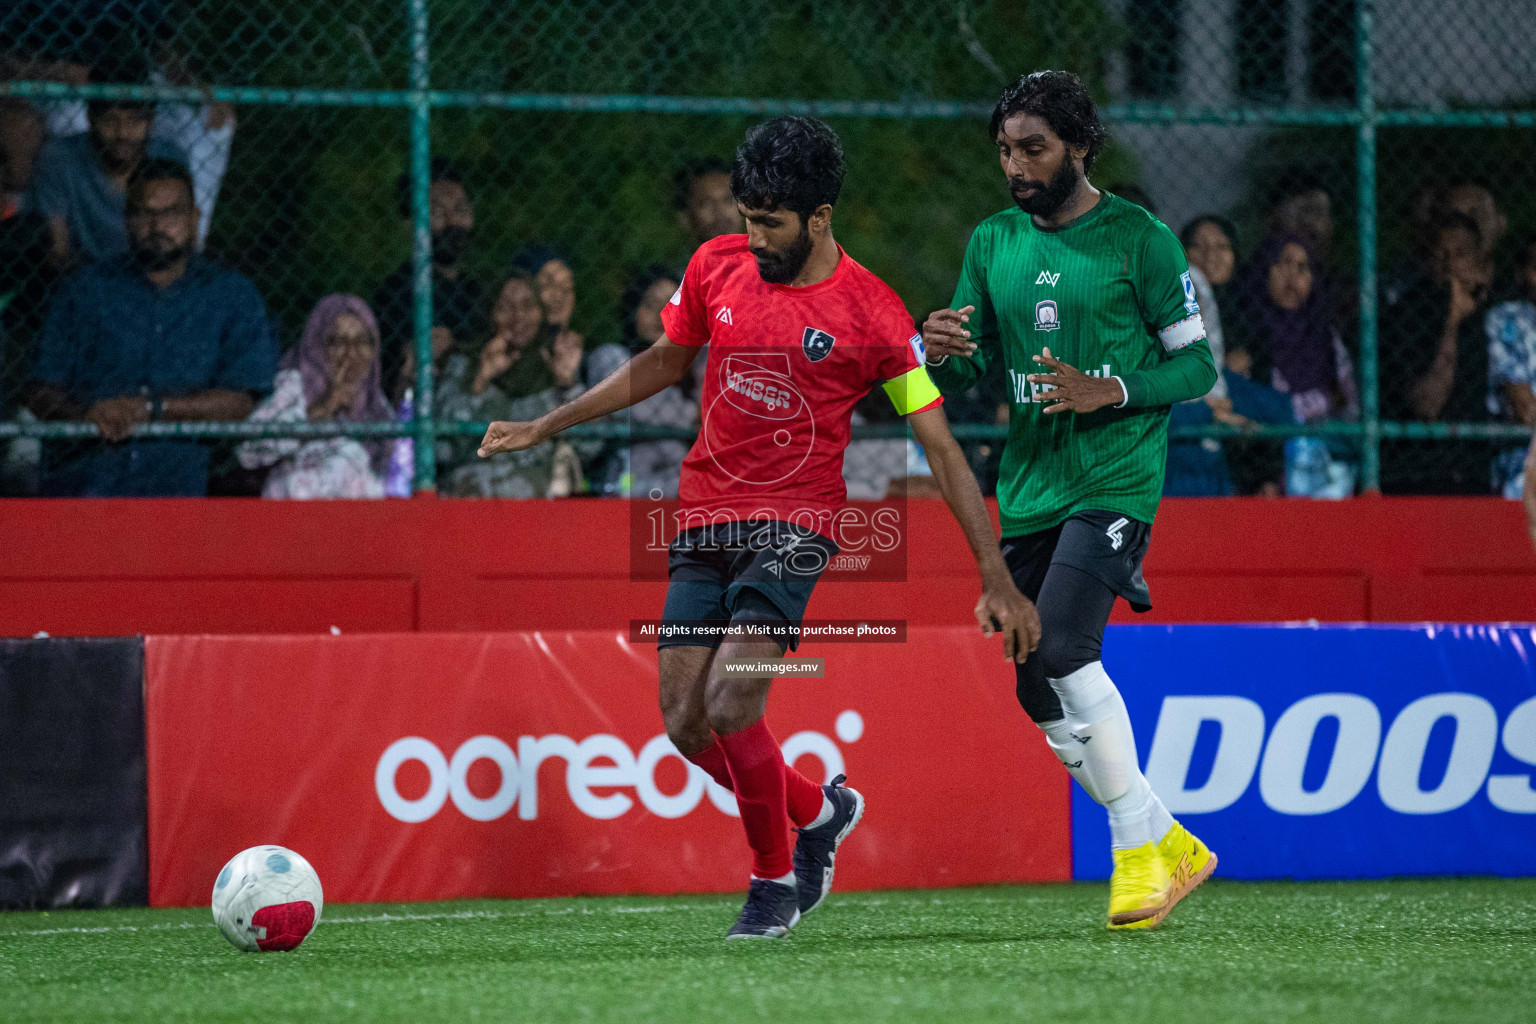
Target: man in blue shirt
pixel 159 334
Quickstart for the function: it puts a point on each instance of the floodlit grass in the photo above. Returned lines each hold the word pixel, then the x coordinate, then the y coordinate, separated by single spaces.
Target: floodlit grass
pixel 1420 951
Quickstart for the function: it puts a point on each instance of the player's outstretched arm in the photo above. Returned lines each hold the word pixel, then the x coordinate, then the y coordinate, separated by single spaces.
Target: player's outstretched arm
pixel 1001 607
pixel 657 368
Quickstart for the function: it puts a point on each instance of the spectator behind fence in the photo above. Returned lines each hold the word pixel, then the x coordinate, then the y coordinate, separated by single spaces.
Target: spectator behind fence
pixel 1511 330
pixel 705 207
pixel 1285 337
pixel 458 300
pixel 158 334
pixel 1434 367
pixel 1422 214
pixel 1475 200
pixel 79 181
pixel 332 375
pixel 555 285
pixel 1199 468
pixel 27 278
pixel 525 370
pixel 645 468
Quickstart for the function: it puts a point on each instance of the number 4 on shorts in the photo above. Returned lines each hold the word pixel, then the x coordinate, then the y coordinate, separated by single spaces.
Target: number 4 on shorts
pixel 1116 538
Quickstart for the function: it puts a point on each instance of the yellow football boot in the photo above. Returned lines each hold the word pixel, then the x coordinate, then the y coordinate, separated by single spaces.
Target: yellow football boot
pixel 1188 861
pixel 1139 889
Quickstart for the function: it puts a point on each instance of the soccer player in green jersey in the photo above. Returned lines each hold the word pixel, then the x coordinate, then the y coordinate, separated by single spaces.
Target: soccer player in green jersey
pixel 1084 302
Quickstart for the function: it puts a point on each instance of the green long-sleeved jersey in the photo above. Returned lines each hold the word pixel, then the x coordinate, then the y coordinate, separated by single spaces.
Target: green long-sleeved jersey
pixel 1110 294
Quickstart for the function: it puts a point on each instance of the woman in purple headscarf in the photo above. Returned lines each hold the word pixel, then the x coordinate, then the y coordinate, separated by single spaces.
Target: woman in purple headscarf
pixel 331 375
pixel 1285 337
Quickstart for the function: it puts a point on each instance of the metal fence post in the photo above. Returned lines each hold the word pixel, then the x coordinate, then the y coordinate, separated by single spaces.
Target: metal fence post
pixel 1365 157
pixel 421 251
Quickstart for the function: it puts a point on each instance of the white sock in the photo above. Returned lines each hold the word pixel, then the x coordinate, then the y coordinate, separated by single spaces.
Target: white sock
pixel 1096 744
pixel 788 879
pixel 824 815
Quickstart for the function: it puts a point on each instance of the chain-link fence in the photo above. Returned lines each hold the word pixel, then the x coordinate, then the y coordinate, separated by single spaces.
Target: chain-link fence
pixel 505 190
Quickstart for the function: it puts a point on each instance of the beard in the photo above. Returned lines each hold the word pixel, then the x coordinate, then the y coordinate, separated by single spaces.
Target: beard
pixel 160 253
pixel 1049 195
pixel 448 245
pixel 784 267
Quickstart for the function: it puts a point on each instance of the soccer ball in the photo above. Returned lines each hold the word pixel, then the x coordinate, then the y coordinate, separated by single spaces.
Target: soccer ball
pixel 267 900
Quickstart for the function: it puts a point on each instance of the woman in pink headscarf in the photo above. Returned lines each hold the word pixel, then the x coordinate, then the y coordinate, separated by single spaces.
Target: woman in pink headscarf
pixel 331 375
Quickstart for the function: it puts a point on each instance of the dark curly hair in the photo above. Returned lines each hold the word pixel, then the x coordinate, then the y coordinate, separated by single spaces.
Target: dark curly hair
pixel 790 162
pixel 1061 100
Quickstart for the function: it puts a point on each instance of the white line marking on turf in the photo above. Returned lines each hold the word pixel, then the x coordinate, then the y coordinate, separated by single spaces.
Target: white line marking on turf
pixel 386 918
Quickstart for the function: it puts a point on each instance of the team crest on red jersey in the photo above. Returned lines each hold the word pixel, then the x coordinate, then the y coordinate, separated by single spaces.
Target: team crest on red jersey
pixel 817 344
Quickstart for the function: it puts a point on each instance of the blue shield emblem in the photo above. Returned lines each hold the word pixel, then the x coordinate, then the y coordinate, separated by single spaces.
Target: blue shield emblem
pixel 817 344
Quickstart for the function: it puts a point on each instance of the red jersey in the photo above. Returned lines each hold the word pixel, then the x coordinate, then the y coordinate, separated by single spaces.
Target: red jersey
pixel 786 366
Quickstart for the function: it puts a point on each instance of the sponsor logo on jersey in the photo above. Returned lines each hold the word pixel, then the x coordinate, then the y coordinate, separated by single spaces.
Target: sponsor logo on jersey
pixel 1045 315
pixel 1046 277
pixel 1191 306
pixel 817 344
pixel 1024 390
pixel 916 341
pixel 762 387
pixel 724 316
pixel 677 296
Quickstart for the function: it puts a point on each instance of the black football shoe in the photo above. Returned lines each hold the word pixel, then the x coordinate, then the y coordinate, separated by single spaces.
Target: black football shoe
pixel 816 849
pixel 771 911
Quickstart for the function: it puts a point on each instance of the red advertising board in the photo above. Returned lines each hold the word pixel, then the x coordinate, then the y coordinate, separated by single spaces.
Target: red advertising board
pixel 439 766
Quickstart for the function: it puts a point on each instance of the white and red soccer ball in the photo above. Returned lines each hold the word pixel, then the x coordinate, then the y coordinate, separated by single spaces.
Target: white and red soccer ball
pixel 267 900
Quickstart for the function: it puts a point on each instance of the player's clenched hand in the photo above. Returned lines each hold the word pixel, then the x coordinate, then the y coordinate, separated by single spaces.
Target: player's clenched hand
pixel 945 333
pixel 506 436
pixel 1003 609
pixel 1072 390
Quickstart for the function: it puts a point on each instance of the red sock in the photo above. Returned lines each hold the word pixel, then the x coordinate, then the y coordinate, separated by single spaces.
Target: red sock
pixel 712 760
pixel 757 769
pixel 802 797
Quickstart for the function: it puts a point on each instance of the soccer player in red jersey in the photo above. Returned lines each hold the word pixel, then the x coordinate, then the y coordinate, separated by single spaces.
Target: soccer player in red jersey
pixel 797 333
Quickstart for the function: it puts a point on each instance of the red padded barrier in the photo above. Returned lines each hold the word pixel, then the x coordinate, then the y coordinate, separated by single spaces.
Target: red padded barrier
pixel 240 566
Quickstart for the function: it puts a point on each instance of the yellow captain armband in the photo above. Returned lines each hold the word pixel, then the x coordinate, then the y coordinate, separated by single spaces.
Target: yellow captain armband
pixel 912 391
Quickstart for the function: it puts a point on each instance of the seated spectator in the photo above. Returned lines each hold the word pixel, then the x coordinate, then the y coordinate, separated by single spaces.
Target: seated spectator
pixel 156 335
pixel 1434 360
pixel 458 301
pixel 1199 468
pixel 332 375
pixel 26 281
pixel 1511 330
pixel 1422 215
pixel 555 284
pixel 1474 199
pixel 645 468
pixel 79 181
pixel 522 372
pixel 1300 204
pixel 1203 468
pixel 1285 339
pixel 705 206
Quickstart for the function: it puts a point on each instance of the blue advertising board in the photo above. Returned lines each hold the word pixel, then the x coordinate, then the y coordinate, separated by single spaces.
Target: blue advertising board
pixel 1333 751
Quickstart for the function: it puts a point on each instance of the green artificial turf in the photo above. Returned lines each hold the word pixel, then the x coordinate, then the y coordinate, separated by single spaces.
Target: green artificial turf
pixel 1419 951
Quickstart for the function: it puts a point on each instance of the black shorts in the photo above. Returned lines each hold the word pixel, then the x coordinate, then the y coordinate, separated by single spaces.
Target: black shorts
pixel 1106 545
pixel 761 571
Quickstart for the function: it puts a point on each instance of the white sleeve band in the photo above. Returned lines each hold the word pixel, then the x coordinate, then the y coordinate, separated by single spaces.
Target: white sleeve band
pixel 1123 391
pixel 1186 332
